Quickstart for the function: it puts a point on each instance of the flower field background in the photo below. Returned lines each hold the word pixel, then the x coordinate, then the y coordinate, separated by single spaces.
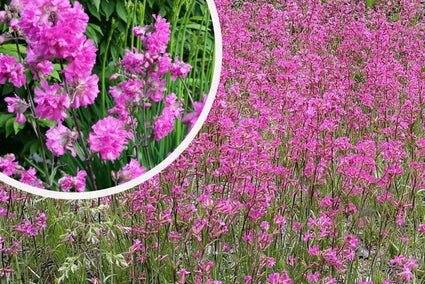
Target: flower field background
pixel 310 168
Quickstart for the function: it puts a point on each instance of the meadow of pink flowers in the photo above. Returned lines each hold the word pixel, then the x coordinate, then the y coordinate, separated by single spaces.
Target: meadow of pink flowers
pixel 310 168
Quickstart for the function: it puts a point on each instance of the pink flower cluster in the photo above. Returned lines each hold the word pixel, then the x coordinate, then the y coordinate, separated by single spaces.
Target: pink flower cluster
pixel 77 183
pixel 53 30
pixel 108 138
pixel 165 123
pixel 143 83
pixel 150 65
pixel 130 171
pixel 11 69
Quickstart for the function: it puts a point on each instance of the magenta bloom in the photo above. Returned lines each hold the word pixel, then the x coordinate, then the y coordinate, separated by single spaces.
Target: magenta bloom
pixel 179 69
pixel 176 106
pixel 156 88
pixel 29 177
pixel 136 62
pixel 84 91
pixel 11 69
pixel 52 27
pixel 157 41
pixel 192 117
pixel 51 103
pixel 18 106
pixel 8 164
pixel 26 229
pixel 164 124
pixel 60 139
pixel 131 171
pixel 108 138
pixel 78 182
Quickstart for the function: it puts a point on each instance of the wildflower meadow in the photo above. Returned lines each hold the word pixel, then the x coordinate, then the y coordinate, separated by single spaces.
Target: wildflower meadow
pixel 309 169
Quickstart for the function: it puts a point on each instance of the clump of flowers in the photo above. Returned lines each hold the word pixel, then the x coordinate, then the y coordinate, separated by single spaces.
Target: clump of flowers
pixel 53 33
pixel 142 75
pixel 77 183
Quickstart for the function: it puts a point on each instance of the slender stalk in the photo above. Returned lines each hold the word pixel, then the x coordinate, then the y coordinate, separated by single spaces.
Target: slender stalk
pixel 86 153
pixel 102 77
pixel 187 90
pixel 77 125
pixel 145 144
pixel 204 52
pixel 37 125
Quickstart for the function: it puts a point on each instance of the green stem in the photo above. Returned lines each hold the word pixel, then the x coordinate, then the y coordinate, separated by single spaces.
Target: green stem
pixel 86 153
pixel 105 58
pixel 187 90
pixel 204 52
pixel 37 125
pixel 80 135
pixel 145 143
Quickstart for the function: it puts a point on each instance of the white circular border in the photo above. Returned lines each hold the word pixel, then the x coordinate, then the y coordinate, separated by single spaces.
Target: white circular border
pixel 183 145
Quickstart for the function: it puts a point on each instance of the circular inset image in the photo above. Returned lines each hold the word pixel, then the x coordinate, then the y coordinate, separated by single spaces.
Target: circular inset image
pixel 98 97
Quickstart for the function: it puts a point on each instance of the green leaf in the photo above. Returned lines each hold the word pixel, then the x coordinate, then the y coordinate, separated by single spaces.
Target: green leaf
pixel 95 28
pixel 370 3
pixel 18 127
pixel 10 49
pixel 196 18
pixel 4 117
pixel 7 89
pixel 108 8
pixel 96 3
pixel 55 75
pixel 9 126
pixel 121 11
pixel 93 10
pixel 92 32
pixel 79 151
pixel 46 122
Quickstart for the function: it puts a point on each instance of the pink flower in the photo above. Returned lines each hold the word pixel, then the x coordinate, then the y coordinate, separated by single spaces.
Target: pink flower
pixel 3 211
pixel 29 177
pixel 191 117
pixel 313 277
pixel 136 62
pixel 292 259
pixel 53 28
pixel 8 164
pixel 131 171
pixel 84 91
pixel 183 272
pixel 26 229
pixel 67 182
pixel 297 226
pixel 164 124
pixel 108 138
pixel 314 250
pixel 156 41
pixel 68 238
pixel 156 88
pixel 404 266
pixel 40 221
pixel 51 103
pixel 60 139
pixel 11 69
pixel 18 106
pixel 179 69
pixel 277 278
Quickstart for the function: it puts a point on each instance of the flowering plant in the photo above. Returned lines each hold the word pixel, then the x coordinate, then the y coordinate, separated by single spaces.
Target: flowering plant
pixel 53 66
